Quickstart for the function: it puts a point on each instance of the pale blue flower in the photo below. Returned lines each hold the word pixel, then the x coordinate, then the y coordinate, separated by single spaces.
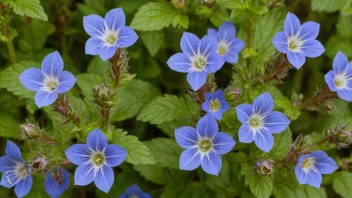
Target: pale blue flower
pixel 56 182
pixel 134 192
pixel 215 104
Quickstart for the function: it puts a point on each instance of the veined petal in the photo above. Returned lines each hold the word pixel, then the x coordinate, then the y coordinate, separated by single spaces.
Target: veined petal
pixel 276 122
pixel 107 52
pixel 212 31
pixel 93 45
pixel 189 43
pixel 227 30
pixel 237 45
pixel 245 134
pixel 231 57
pixel 84 174
pixel 5 183
pixel 96 140
pixel 300 175
pixel 264 140
pixel 291 24
pixel 214 63
pixel 206 106
pixel 196 79
pixel 13 151
pixel 189 159
pixel 24 186
pixel 115 19
pixel 179 62
pixel 32 79
pixel 78 153
pixel 219 94
pixel 345 94
pixel 186 137
pixel 211 163
pixel 312 48
pixel 297 59
pixel 217 115
pixel 314 179
pixel 6 164
pixel 223 143
pixel 329 79
pixel 104 178
pixel 67 81
pixel 115 155
pixel 133 189
pixel 244 112
pixel 280 42
pixel 94 25
pixel 207 45
pixel 127 37
pixel 340 62
pixel 263 104
pixel 207 127
pixel 43 98
pixel 52 187
pixel 53 64
pixel 324 163
pixel 309 30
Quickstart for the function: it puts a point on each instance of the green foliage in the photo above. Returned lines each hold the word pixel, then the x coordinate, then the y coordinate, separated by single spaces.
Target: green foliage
pixel 329 6
pixel 342 184
pixel 31 8
pixel 153 41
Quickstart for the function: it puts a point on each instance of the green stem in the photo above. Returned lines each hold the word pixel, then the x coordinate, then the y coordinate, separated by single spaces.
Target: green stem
pixel 106 117
pixel 11 51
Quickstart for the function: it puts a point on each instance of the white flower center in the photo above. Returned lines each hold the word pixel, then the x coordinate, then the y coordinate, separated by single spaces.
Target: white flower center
pixel 133 196
pixel 341 81
pixel 110 37
pixel 214 105
pixel 20 172
pixel 223 47
pixel 98 159
pixel 50 83
pixel 198 62
pixel 294 44
pixel 308 164
pixel 205 145
pixel 256 122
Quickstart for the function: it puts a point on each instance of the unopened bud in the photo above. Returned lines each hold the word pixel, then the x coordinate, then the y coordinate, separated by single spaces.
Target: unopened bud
pixel 232 93
pixel 264 167
pixel 209 2
pixel 179 4
pixel 40 164
pixel 102 94
pixel 29 131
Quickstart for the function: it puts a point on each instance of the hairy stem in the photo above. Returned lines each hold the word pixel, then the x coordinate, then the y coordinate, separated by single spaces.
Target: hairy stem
pixel 115 68
pixel 280 68
pixel 11 51
pixel 323 95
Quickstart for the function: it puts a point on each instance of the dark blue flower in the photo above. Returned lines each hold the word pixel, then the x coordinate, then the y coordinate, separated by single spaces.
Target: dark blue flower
pixel 298 41
pixel 95 160
pixel 15 171
pixel 259 122
pixel 203 145
pixel 56 182
pixel 109 34
pixel 310 168
pixel 199 58
pixel 228 45
pixel 49 81
pixel 215 104
pixel 134 192
pixel 340 78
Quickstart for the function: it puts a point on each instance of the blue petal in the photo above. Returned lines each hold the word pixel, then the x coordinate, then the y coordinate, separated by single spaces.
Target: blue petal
pixel 325 164
pixel 329 79
pixel 206 106
pixel 245 135
pixel 127 37
pixel 223 143
pixel 207 45
pixel 217 115
pixel 186 137
pixel 189 159
pixel 244 112
pixel 276 122
pixel 94 25
pixel 312 48
pixel 124 195
pixel 53 64
pixel 93 45
pixel 231 57
pixel 134 189
pixel 96 140
pixel 280 42
pixel 189 43
pixel 300 175
pixel 345 94
pixel 291 24
pixel 43 98
pixel 104 178
pixel 196 79
pixel 78 154
pixel 179 62
pixel 32 79
pixel 227 30
pixel 207 126
pixel 106 52
pixel 115 155
pixel 212 32
pixel 224 106
pixel 84 174
pixel 53 187
pixel 115 19
pixel 297 59
pixel 211 163
pixel 6 164
pixel 264 140
pixel 340 62
pixel 4 182
pixel 309 30
pixel 314 179
pixel 13 151
pixel 24 186
pixel 219 95
pixel 263 104
pixel 145 195
pixel 214 63
pixel 237 45
pixel 67 81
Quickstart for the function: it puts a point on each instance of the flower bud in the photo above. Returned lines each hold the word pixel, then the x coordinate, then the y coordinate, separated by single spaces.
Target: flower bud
pixel 340 136
pixel 264 167
pixel 209 2
pixel 179 4
pixel 102 94
pixel 29 131
pixel 40 164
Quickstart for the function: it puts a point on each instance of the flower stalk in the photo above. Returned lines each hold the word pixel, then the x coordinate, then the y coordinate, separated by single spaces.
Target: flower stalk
pixel 320 97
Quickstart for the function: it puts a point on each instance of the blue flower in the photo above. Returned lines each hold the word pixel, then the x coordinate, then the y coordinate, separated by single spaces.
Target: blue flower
pixel 298 41
pixel 49 81
pixel 56 182
pixel 215 104
pixel 109 34
pixel 199 58
pixel 228 45
pixel 134 191
pixel 95 160
pixel 259 122
pixel 15 171
pixel 311 166
pixel 340 78
pixel 203 145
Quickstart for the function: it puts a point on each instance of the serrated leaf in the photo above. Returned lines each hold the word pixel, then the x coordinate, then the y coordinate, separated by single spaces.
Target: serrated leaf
pixel 86 82
pixel 329 5
pixel 282 144
pixel 137 152
pixel 344 26
pixel 342 184
pixel 155 174
pixel 31 8
pixel 153 16
pixel 97 66
pixel 9 127
pixel 152 41
pixel 164 109
pixel 338 43
pixel 261 186
pixel 180 21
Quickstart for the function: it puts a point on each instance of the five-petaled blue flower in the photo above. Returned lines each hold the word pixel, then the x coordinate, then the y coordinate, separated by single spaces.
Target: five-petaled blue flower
pixel 203 145
pixel 95 160
pixel 340 78
pixel 134 191
pixel 228 45
pixel 259 122
pixel 109 34
pixel 199 58
pixel 298 41
pixel 48 82
pixel 15 171
pixel 56 182
pixel 311 166
pixel 215 104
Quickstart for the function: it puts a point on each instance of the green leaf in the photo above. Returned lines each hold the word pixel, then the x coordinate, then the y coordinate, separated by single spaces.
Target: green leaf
pixel 282 144
pixel 218 17
pixel 31 8
pixel 180 21
pixel 152 41
pixel 153 16
pixel 186 190
pixel 98 66
pixel 261 186
pixel 9 127
pixel 342 184
pixel 86 82
pixel 164 109
pixel 155 174
pixel 133 97
pixel 344 26
pixel 137 152
pixel 329 5
pixel 338 43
